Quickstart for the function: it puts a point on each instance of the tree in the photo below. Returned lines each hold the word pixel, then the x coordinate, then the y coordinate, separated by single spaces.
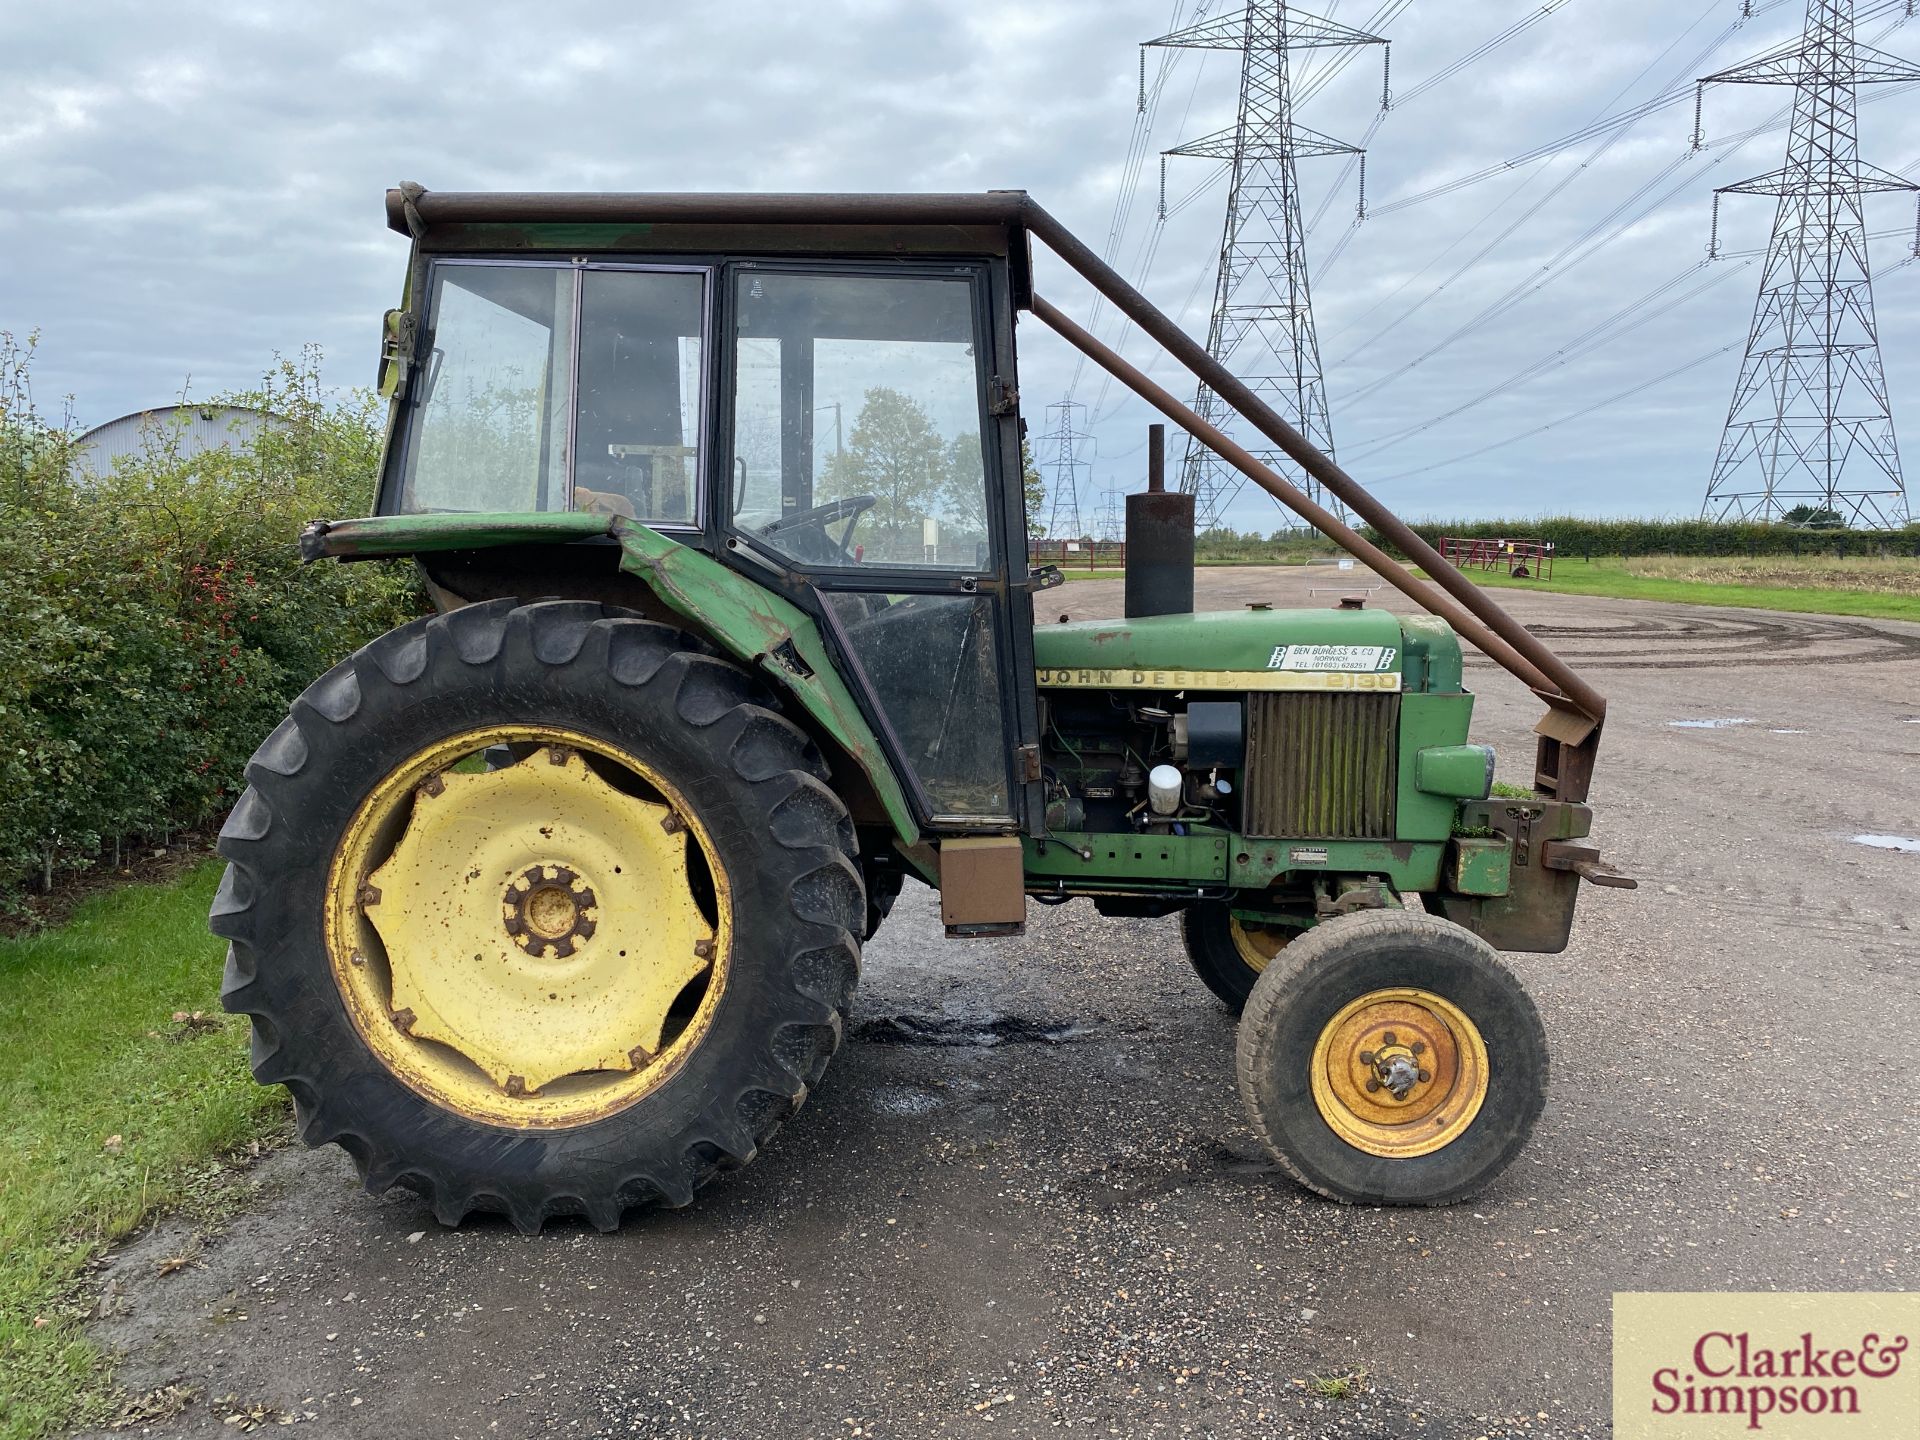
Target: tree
pixel 1808 517
pixel 894 454
pixel 1035 490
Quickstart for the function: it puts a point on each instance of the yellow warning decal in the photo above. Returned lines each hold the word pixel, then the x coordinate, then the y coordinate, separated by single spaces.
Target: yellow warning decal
pixel 1066 678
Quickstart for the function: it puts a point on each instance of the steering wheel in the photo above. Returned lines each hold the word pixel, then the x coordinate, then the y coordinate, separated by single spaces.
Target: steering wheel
pixel 848 507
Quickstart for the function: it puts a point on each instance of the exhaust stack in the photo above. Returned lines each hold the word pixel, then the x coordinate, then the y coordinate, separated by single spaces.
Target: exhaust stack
pixel 1159 540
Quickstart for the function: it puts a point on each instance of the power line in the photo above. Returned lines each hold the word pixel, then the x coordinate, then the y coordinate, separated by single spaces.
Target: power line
pixel 1810 426
pixel 1584 411
pixel 1066 440
pixel 1262 323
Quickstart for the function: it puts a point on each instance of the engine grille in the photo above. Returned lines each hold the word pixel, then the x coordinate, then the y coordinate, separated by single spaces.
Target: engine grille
pixel 1321 766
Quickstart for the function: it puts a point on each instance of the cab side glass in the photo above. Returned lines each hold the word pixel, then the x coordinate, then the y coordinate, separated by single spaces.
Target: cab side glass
pixel 639 424
pixel 857 420
pixel 490 400
pixel 497 422
pixel 930 661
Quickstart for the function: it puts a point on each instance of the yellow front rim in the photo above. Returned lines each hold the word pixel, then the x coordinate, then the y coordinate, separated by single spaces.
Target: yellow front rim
pixel 1256 945
pixel 538 945
pixel 1399 1072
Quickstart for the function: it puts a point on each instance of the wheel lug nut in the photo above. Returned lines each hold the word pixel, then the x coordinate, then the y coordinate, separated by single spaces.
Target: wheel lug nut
pixel 1419 1047
pixel 1366 1057
pixel 1425 1075
pixel 1389 1039
pixel 1372 1084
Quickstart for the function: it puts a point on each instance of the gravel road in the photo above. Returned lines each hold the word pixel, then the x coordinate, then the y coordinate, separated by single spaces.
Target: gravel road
pixel 1058 1219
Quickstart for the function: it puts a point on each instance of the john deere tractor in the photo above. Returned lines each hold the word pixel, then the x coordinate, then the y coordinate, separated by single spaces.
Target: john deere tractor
pixel 552 903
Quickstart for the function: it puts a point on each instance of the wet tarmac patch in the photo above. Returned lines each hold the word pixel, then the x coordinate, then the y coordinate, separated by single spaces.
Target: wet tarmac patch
pixel 1889 842
pixel 1716 724
pixel 903 1100
pixel 951 1030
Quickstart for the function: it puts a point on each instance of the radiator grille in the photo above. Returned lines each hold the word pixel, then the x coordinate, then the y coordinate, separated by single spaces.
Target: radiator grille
pixel 1320 766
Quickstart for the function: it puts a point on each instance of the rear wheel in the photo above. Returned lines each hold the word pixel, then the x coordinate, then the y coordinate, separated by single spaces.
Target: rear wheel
pixel 1226 953
pixel 539 909
pixel 1392 1058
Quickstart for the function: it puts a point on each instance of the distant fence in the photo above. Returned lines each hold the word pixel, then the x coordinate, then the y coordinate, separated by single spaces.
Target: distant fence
pixel 1079 554
pixel 1583 538
pixel 1519 558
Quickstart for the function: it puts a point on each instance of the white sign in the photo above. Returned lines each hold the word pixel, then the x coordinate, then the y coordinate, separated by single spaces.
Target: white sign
pixel 1332 657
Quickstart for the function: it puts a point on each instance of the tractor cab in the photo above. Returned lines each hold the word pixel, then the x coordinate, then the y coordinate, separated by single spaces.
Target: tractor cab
pixel 827 413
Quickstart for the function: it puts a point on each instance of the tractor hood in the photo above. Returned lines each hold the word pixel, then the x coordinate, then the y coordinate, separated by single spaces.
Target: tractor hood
pixel 1251 650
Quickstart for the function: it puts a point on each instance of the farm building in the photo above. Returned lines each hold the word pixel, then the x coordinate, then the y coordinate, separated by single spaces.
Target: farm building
pixel 187 430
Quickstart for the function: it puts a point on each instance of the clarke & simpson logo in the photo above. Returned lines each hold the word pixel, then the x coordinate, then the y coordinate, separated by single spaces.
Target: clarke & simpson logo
pixel 1785 1365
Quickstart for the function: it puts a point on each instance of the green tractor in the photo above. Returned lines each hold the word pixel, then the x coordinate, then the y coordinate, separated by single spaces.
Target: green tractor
pixel 552 903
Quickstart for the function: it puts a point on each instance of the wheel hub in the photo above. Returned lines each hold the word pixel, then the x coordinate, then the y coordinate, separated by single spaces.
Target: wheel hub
pixel 1399 1072
pixel 550 911
pixel 516 943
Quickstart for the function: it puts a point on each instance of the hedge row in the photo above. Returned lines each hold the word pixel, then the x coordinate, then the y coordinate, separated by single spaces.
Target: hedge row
pixel 1575 536
pixel 155 622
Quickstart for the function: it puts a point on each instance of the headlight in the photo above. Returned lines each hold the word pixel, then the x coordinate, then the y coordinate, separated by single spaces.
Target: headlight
pixel 1461 772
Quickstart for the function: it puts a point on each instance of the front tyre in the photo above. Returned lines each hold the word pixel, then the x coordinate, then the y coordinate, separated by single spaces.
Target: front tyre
pixel 539 909
pixel 1226 953
pixel 1392 1058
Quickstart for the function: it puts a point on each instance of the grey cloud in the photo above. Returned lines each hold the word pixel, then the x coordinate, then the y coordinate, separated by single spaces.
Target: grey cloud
pixel 186 188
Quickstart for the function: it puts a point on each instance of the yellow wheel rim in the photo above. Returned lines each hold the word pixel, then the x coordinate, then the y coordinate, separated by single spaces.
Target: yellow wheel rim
pixel 535 946
pixel 1257 944
pixel 1399 1073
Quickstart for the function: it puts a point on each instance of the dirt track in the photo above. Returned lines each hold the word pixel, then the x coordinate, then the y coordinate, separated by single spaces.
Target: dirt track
pixel 1072 1228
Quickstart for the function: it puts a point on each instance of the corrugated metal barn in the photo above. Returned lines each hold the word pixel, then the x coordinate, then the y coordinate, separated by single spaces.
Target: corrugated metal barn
pixel 186 430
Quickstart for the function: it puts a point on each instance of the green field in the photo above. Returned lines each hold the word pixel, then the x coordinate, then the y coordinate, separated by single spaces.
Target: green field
pixel 110 1110
pixel 1881 590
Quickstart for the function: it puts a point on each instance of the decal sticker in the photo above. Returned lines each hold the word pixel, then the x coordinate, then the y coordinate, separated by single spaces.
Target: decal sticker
pixel 1307 855
pixel 1352 658
pixel 1064 677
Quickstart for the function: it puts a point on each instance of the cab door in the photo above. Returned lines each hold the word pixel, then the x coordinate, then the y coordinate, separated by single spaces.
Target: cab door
pixel 869 451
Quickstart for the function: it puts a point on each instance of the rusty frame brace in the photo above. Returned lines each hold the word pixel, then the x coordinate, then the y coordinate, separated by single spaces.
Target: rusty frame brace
pixel 1570 730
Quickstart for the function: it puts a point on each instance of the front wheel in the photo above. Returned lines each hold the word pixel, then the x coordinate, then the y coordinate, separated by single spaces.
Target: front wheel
pixel 539 909
pixel 1227 953
pixel 1392 1058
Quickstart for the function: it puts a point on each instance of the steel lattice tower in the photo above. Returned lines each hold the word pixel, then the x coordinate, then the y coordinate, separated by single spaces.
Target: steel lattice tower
pixel 1262 326
pixel 1065 440
pixel 1810 425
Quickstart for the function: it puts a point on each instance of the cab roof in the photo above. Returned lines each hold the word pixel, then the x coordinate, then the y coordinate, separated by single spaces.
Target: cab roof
pixel 990 223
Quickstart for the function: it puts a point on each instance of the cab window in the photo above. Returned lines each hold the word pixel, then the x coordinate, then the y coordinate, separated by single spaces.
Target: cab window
pixel 549 387
pixel 857 419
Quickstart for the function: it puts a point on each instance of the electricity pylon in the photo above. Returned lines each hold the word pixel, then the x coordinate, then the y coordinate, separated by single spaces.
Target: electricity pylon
pixel 1810 429
pixel 1262 327
pixel 1065 441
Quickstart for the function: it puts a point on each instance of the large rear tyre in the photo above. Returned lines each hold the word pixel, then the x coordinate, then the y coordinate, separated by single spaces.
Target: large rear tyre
pixel 1227 954
pixel 584 980
pixel 1392 1058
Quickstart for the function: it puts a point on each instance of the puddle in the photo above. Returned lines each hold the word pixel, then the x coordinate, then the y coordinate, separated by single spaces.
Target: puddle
pixel 948 1030
pixel 1724 724
pixel 1889 842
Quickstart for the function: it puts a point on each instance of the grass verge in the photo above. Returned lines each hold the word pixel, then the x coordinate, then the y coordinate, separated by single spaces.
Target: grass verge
pixel 1616 578
pixel 110 1110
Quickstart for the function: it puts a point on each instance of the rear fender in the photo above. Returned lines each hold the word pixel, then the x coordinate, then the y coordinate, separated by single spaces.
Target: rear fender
pixel 760 629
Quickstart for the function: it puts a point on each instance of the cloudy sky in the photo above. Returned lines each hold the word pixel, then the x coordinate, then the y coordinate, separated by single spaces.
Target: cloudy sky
pixel 187 188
